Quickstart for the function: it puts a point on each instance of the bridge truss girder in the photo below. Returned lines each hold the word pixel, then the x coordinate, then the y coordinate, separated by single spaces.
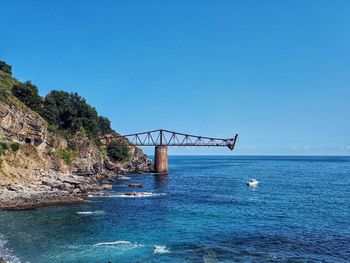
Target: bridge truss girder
pixel 170 138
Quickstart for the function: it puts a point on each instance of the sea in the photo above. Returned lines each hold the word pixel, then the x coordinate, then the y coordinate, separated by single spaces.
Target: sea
pixel 203 211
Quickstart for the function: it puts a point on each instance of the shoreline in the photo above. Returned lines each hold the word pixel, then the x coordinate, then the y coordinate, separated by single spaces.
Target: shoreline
pixel 61 191
pixel 52 191
pixel 20 205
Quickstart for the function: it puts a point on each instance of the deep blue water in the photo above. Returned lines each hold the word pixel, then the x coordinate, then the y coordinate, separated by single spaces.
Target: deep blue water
pixel 202 212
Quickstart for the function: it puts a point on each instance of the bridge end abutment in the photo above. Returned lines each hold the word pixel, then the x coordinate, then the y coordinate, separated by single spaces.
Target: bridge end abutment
pixel 161 160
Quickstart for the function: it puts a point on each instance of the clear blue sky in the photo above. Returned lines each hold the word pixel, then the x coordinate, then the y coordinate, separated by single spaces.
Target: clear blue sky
pixel 276 72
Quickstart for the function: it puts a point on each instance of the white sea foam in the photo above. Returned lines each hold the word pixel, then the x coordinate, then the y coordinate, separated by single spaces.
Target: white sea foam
pixel 138 195
pixel 160 250
pixel 6 253
pixel 118 242
pixel 120 245
pixel 96 212
pixel 129 195
pixel 124 178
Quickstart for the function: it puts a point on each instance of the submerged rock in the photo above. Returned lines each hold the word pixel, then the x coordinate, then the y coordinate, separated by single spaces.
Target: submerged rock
pixel 140 185
pixel 132 194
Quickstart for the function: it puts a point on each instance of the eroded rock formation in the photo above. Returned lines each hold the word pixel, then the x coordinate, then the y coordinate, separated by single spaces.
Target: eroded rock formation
pixel 34 174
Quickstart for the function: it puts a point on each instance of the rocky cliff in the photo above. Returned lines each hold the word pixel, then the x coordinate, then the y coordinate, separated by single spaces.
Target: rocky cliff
pixel 37 166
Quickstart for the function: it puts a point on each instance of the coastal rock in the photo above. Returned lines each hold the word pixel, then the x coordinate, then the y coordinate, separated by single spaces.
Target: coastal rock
pixel 107 186
pixel 12 188
pixel 51 183
pixel 76 191
pixel 71 181
pixel 66 187
pixel 22 125
pixel 139 185
pixel 132 194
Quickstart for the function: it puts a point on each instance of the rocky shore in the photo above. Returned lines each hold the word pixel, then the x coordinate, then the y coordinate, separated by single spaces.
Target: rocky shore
pixel 52 190
pixel 33 173
pixel 44 164
pixel 65 189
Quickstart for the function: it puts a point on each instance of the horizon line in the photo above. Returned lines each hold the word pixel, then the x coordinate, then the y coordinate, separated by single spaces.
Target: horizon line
pixel 262 155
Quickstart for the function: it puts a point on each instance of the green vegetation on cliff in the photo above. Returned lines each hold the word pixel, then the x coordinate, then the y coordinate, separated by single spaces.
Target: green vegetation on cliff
pixel 5 67
pixel 67 155
pixel 6 84
pixel 70 112
pixel 29 95
pixel 117 152
pixel 66 114
pixel 64 111
pixel 4 146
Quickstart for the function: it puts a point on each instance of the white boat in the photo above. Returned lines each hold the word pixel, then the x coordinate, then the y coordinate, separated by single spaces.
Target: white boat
pixel 252 182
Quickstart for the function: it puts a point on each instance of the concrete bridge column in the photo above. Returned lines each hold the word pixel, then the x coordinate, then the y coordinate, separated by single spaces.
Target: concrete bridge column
pixel 161 160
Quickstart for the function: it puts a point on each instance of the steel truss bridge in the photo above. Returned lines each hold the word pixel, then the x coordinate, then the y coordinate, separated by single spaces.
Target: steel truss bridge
pixel 163 137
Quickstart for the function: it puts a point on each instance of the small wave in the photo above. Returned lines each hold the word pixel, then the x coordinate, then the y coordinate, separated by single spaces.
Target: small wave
pixel 124 178
pixel 5 253
pixel 118 242
pixel 96 212
pixel 138 195
pixel 121 245
pixel 160 250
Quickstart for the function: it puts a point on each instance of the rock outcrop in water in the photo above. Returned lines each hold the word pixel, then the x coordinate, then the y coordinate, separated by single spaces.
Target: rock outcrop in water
pixel 33 168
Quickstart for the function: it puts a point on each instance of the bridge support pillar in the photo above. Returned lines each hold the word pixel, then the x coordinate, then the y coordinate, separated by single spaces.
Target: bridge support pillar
pixel 161 160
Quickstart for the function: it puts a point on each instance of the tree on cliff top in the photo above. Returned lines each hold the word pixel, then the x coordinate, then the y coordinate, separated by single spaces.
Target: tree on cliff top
pixel 104 125
pixel 29 95
pixel 70 112
pixel 5 67
pixel 64 111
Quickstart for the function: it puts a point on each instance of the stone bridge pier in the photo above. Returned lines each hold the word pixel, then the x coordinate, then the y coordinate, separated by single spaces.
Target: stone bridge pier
pixel 161 159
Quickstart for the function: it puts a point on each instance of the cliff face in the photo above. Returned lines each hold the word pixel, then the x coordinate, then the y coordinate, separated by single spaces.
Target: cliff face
pixel 37 164
pixel 41 147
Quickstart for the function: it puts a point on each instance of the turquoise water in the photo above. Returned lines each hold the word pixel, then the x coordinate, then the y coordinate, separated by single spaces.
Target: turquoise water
pixel 202 212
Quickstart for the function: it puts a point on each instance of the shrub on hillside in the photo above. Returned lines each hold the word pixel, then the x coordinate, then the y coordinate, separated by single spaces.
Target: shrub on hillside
pixel 67 155
pixel 4 146
pixel 117 153
pixel 14 146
